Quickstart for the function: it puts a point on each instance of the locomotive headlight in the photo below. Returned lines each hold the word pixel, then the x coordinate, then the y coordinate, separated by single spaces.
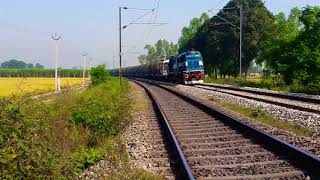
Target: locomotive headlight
pixel 186 76
pixel 186 63
pixel 200 63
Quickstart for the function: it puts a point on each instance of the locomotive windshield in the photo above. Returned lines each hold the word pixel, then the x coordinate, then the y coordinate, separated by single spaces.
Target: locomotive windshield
pixel 194 62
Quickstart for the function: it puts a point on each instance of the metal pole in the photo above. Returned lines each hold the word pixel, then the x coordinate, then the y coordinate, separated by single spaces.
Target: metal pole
pixel 56 37
pixel 56 67
pixel 84 54
pixel 113 65
pixel 120 50
pixel 89 71
pixel 241 16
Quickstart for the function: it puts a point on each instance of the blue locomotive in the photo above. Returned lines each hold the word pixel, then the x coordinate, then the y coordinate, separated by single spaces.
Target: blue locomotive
pixel 185 68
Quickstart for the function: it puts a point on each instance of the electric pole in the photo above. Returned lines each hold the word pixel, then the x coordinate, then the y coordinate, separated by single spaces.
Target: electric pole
pixel 113 65
pixel 240 27
pixel 56 38
pixel 120 48
pixel 89 71
pixel 84 54
pixel 241 21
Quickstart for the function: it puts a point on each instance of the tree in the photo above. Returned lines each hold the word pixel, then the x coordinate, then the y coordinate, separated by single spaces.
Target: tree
pixel 188 33
pixel 38 65
pixel 29 65
pixel 13 63
pixel 295 52
pixel 99 74
pixel 142 59
pixel 219 41
pixel 162 50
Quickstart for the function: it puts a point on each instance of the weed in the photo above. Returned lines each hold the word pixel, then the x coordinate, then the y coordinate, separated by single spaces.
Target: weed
pixel 259 115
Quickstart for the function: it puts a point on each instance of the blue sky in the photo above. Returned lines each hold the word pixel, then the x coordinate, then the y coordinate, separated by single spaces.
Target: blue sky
pixel 25 27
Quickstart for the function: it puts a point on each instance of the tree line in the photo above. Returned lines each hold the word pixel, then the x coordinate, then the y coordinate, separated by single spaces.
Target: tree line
pixel 34 72
pixel 287 47
pixel 13 63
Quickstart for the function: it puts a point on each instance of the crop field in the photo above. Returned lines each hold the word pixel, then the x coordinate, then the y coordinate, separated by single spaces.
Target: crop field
pixel 9 86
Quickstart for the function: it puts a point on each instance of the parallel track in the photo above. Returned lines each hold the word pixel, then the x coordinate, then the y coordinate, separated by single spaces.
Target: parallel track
pixel 294 102
pixel 212 145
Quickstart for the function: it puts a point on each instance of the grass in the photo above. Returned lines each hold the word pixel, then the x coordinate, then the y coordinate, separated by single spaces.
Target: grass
pixel 259 115
pixel 19 86
pixel 256 82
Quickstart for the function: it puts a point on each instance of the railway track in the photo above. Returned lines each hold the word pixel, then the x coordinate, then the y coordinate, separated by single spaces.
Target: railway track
pixel 212 145
pixel 284 100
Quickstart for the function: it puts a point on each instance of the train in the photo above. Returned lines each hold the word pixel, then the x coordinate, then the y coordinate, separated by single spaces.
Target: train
pixel 185 68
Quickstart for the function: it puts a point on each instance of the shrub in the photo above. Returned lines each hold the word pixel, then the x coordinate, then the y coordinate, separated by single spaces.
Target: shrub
pixel 99 74
pixel 83 158
pixel 102 109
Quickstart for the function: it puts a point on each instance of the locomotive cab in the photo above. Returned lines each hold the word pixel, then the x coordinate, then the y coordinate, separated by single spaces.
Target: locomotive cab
pixel 187 68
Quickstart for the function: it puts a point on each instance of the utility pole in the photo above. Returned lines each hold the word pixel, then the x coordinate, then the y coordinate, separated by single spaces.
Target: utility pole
pixel 241 21
pixel 84 54
pixel 120 49
pixel 123 27
pixel 89 71
pixel 56 38
pixel 113 65
pixel 240 27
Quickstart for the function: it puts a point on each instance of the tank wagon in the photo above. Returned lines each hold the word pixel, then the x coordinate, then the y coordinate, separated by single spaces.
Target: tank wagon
pixel 186 68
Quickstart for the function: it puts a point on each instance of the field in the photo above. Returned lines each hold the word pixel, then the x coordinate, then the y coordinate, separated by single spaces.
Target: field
pixel 9 86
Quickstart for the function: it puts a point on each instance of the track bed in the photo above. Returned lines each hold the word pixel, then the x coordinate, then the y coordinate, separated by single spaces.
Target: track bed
pixel 216 150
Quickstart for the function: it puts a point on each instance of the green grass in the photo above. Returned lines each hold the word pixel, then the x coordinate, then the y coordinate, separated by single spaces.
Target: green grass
pixel 256 82
pixel 258 115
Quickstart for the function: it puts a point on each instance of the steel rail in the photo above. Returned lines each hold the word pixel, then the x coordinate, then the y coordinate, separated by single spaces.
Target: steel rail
pixel 279 95
pixel 291 106
pixel 185 166
pixel 299 157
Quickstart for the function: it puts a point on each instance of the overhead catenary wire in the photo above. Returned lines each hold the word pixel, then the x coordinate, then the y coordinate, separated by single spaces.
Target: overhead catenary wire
pixel 142 16
pixel 155 18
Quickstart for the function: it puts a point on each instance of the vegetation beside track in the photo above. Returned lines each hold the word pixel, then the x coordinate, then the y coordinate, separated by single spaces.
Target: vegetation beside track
pixel 60 138
pixel 261 116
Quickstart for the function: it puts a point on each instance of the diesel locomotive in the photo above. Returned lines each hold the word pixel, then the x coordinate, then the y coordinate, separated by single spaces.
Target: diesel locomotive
pixel 185 68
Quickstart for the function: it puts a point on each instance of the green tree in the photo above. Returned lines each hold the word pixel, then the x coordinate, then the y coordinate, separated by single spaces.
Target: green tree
pixel 294 51
pixel 162 50
pixel 29 65
pixel 99 74
pixel 13 63
pixel 219 41
pixel 38 65
pixel 188 33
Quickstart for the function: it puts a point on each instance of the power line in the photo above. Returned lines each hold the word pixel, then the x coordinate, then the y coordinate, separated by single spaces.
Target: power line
pixel 155 18
pixel 141 9
pixel 133 22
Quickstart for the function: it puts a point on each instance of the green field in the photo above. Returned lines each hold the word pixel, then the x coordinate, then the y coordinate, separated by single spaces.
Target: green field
pixel 9 86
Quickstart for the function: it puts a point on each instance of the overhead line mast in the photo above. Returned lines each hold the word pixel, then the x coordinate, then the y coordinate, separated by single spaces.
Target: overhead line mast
pixel 240 7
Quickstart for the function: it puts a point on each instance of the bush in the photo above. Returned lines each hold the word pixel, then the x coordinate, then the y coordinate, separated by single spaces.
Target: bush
pixel 84 157
pixel 102 109
pixel 99 74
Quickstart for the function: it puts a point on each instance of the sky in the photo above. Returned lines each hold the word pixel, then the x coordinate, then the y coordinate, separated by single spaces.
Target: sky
pixel 92 26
